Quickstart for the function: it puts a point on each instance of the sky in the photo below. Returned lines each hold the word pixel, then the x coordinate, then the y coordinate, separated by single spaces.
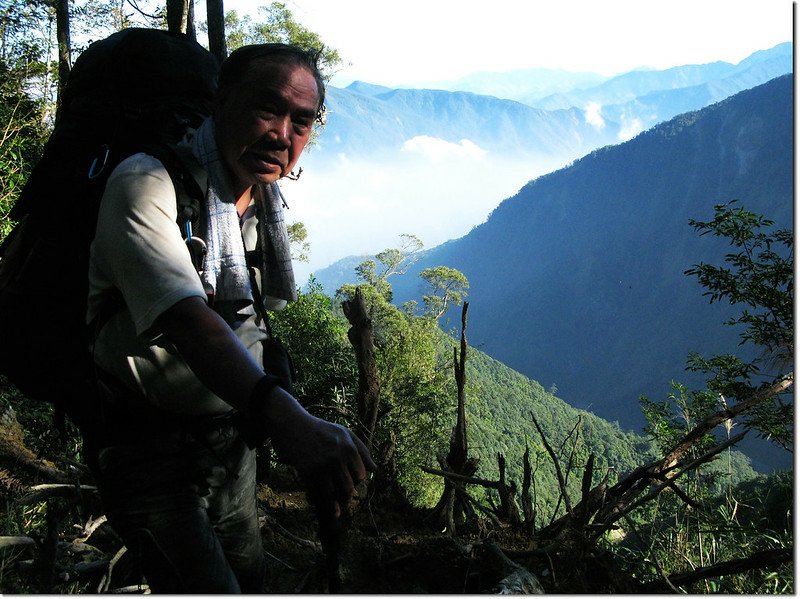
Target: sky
pixel 362 208
pixel 415 41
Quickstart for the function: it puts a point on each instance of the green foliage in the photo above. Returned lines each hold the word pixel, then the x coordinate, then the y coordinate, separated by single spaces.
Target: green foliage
pixel 26 43
pixel 415 385
pixel 22 135
pixel 25 91
pixel 417 392
pixel 298 236
pixel 670 420
pixel 92 20
pixel 316 338
pixel 417 396
pixel 396 261
pixel 447 287
pixel 278 25
pixel 367 272
pixel 752 516
pixel 415 389
pixel 36 419
pixel 759 277
pixel 392 261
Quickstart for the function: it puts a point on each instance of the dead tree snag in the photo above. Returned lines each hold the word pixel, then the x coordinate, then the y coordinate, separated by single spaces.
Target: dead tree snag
pixel 361 338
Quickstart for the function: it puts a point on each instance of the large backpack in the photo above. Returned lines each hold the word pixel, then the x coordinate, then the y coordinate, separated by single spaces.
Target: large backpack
pixel 137 90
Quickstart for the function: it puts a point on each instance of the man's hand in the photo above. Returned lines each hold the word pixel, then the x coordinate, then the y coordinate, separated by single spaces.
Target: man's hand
pixel 330 459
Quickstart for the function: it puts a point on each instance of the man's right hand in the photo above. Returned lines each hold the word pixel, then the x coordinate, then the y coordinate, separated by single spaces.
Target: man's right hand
pixel 330 458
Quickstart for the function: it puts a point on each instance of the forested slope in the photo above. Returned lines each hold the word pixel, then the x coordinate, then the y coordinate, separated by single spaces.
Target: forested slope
pixel 578 280
pixel 501 405
pixel 595 527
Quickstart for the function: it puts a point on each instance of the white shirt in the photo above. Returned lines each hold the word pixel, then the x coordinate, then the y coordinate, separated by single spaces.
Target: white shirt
pixel 139 250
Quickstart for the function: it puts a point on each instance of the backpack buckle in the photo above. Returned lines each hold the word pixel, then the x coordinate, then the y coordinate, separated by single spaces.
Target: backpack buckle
pixel 197 250
pixel 94 171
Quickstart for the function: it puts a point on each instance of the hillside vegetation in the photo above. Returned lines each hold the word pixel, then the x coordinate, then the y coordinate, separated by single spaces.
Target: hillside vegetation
pixel 486 481
pixel 578 280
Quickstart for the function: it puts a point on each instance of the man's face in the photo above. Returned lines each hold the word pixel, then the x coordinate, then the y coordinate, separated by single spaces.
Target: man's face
pixel 263 124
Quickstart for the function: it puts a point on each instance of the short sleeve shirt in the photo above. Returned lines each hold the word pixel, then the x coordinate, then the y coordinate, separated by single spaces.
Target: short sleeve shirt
pixel 138 249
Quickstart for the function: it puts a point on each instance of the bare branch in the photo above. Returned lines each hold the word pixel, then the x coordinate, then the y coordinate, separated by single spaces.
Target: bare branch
pixel 292 537
pixel 561 482
pixel 690 466
pixel 491 484
pixel 42 492
pixel 719 417
pixel 762 559
pixel 18 541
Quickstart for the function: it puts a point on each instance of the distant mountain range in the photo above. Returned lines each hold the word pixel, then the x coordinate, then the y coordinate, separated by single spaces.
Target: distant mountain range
pixel 370 125
pixel 543 114
pixel 435 162
pixel 577 280
pixel 756 68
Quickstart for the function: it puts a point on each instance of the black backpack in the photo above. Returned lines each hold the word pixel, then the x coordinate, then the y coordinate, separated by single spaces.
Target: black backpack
pixel 137 90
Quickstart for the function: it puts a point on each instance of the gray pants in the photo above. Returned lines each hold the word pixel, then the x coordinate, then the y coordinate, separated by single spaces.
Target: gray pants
pixel 185 504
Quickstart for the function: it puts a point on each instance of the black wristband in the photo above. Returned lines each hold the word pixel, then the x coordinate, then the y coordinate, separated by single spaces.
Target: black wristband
pixel 250 423
pixel 261 391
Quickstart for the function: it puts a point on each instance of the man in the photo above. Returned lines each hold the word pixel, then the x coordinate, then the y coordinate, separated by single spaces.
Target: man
pixel 180 365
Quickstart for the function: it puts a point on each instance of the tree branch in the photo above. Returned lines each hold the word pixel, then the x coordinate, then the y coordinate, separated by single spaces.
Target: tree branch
pixel 491 484
pixel 690 466
pixel 42 492
pixel 562 484
pixel 719 417
pixel 762 559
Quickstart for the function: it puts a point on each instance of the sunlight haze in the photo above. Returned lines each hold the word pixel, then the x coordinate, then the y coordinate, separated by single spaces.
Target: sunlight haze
pixel 440 189
pixel 417 41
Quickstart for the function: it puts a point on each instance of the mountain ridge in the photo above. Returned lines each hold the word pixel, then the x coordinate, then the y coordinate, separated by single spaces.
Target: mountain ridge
pixel 373 121
pixel 556 315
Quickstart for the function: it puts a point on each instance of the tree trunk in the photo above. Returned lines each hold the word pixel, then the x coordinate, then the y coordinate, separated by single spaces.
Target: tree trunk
pixel 527 502
pixel 457 457
pixel 360 336
pixel 509 510
pixel 190 28
pixel 216 28
pixel 63 37
pixel 180 17
pixel 457 461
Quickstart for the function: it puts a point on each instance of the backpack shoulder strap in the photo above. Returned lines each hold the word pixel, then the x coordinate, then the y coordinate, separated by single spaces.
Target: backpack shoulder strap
pixel 191 185
pixel 188 176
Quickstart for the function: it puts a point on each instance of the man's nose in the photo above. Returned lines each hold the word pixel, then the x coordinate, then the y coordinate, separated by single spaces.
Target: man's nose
pixel 280 129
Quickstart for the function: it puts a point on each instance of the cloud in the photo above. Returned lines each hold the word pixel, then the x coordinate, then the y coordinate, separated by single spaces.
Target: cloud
pixel 592 115
pixel 360 206
pixel 438 150
pixel 630 128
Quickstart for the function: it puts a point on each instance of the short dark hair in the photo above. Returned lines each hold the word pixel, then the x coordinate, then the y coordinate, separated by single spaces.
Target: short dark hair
pixel 235 66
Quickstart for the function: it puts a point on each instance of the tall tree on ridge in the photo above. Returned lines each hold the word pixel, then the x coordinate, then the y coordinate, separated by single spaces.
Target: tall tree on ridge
pixel 180 17
pixel 63 37
pixel 215 13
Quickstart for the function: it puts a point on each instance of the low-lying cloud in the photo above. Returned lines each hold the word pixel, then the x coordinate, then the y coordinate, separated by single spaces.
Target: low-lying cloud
pixel 630 128
pixel 439 150
pixel 356 206
pixel 593 115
